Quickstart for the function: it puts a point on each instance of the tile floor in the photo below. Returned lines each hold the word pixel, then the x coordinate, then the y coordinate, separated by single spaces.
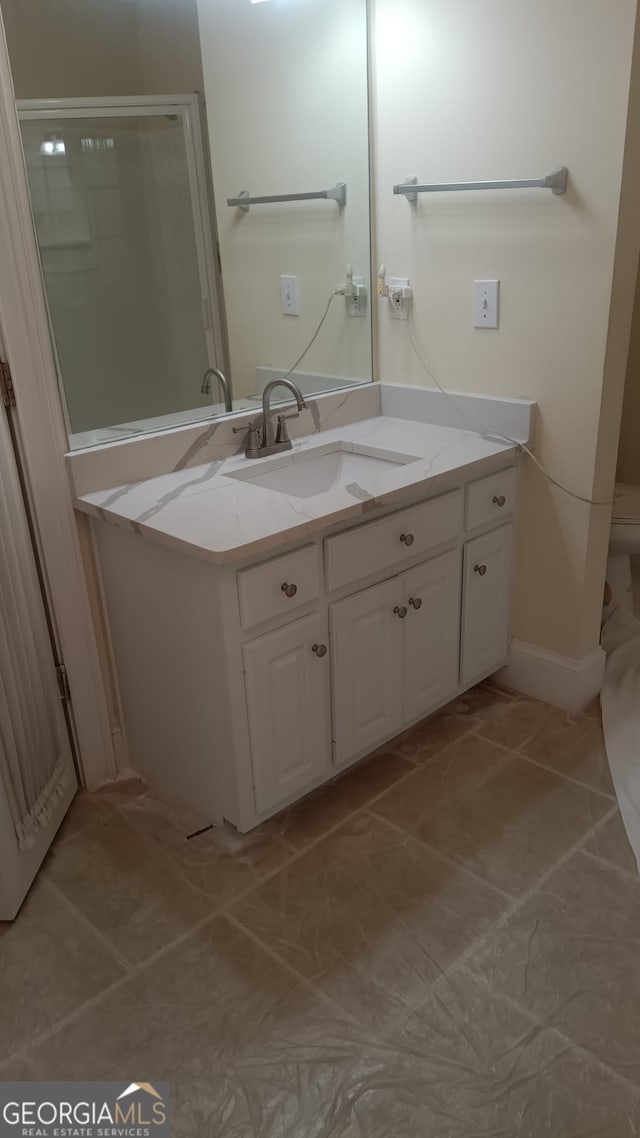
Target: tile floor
pixel 443 943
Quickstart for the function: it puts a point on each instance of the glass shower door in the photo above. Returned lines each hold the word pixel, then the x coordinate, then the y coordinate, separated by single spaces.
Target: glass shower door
pixel 119 208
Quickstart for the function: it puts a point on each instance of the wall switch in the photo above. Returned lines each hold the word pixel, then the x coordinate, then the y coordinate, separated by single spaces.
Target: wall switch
pixel 289 296
pixel 486 304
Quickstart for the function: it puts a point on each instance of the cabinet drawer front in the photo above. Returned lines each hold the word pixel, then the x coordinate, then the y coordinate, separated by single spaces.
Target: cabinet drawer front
pixel 393 540
pixel 287 688
pixel 278 586
pixel 490 499
pixel 486 603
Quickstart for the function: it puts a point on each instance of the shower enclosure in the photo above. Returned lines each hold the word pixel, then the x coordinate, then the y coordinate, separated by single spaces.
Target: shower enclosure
pixel 122 215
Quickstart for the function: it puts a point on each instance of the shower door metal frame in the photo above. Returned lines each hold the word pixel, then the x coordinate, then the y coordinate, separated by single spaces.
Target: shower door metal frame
pixel 151 106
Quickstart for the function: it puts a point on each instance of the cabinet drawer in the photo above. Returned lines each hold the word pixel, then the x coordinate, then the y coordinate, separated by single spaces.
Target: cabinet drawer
pixel 278 586
pixel 490 499
pixel 393 540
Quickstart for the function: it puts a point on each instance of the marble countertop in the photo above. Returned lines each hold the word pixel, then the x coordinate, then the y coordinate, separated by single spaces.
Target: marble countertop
pixel 203 512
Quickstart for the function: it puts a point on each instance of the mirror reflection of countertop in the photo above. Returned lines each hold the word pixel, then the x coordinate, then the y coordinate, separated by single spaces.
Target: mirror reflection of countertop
pixel 219 512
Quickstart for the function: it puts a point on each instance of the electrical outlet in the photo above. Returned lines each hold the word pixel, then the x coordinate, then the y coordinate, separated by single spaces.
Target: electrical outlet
pixel 357 302
pixel 399 298
pixel 289 296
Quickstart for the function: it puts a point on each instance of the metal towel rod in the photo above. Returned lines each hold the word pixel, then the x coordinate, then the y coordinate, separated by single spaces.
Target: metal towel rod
pixel 555 181
pixel 244 200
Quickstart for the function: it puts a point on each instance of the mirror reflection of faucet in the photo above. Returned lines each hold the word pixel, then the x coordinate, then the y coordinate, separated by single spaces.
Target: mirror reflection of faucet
pixel 261 440
pixel 205 386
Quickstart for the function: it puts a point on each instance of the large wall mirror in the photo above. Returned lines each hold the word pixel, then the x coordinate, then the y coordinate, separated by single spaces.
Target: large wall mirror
pixel 141 121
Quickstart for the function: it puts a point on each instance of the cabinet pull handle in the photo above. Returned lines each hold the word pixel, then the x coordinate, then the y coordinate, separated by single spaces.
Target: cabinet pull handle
pixel 416 602
pixel 400 611
pixel 499 500
pixel 290 590
pixel 320 650
pixel 481 569
pixel 407 538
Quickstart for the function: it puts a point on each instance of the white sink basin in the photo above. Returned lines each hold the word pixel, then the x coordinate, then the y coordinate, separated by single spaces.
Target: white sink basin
pixel 315 471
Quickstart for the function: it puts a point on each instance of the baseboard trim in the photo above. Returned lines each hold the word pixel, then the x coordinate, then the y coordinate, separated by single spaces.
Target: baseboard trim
pixel 570 684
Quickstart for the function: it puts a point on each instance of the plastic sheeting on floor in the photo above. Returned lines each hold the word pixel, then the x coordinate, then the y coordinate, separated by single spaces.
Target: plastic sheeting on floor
pixel 621 716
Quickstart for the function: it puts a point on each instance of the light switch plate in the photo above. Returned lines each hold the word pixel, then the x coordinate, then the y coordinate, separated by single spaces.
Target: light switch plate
pixel 486 304
pixel 289 296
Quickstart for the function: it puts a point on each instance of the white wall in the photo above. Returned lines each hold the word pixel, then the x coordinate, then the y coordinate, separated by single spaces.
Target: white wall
pixel 511 89
pixel 286 99
pixel 65 48
pixel 169 46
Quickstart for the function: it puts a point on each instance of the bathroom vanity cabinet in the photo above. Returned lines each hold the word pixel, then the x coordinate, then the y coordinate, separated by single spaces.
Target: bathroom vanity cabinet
pixel 245 686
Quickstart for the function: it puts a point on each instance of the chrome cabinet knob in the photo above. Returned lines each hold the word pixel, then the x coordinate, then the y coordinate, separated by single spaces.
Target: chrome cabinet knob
pixel 481 569
pixel 320 650
pixel 290 590
pixel 400 611
pixel 416 602
pixel 407 538
pixel 499 500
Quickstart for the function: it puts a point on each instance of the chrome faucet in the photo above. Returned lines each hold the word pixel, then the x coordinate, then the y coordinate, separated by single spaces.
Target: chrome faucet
pixel 261 440
pixel 205 387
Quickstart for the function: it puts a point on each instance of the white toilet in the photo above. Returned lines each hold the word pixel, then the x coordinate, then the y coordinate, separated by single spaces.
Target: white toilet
pixel 624 542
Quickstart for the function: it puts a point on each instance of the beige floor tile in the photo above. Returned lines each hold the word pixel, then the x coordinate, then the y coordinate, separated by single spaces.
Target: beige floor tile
pixel 287 1072
pixel 511 725
pixel 86 810
pixel 464 714
pixel 332 804
pixel 488 1070
pixel 138 899
pixel 216 993
pixel 505 819
pixel 610 842
pixel 568 744
pixel 572 745
pixel 330 1087
pixel 570 957
pixel 371 917
pixel 50 964
pixel 294 1070
pixel 221 862
pixel 463 1064
pixel 18 1069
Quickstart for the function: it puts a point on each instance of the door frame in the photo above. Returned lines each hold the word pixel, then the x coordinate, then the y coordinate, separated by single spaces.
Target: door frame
pixel 25 328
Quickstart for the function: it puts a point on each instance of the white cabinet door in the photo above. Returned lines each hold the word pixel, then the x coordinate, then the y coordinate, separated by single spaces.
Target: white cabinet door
pixel 288 704
pixel 486 600
pixel 366 656
pixel 431 634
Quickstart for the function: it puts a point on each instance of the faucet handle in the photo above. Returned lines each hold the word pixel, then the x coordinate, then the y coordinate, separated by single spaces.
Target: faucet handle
pixel 252 449
pixel 282 434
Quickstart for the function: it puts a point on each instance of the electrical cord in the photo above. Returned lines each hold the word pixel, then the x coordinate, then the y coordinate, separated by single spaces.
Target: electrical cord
pixel 498 435
pixel 336 292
